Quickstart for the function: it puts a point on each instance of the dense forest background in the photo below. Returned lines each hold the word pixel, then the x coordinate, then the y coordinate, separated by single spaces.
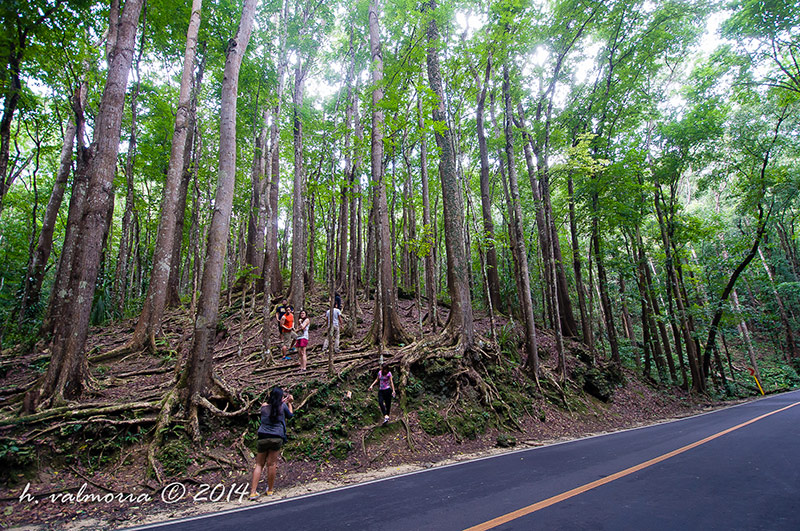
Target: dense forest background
pixel 622 174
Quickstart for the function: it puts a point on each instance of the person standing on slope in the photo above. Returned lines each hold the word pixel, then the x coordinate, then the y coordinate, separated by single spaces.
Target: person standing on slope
pixel 338 316
pixel 303 322
pixel 386 391
pixel 287 331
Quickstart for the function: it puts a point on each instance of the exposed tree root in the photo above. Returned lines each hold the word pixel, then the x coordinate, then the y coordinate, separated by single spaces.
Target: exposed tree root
pixel 246 454
pixel 37 435
pixel 128 348
pixel 469 359
pixel 308 397
pixel 221 460
pixel 409 439
pixel 89 480
pixel 162 422
pixel 554 382
pixel 143 372
pixel 203 401
pixel 364 440
pixel 76 411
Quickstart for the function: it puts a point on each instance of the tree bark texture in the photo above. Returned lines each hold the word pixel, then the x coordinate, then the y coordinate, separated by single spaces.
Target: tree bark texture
pixel 149 324
pixel 32 286
pixel 492 276
pixel 387 327
pixel 519 252
pixel 68 366
pixel 197 372
pixel 460 322
pixel 297 286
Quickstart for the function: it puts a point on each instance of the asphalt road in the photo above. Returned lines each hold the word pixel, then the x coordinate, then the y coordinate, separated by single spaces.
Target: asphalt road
pixel 737 468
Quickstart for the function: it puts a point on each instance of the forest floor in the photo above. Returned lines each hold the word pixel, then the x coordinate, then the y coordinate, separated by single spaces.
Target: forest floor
pixel 85 468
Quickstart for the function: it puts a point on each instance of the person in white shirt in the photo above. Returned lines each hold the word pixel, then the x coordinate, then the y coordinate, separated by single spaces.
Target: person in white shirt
pixel 338 317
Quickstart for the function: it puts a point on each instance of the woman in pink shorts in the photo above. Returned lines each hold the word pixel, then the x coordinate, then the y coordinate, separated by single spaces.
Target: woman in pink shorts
pixel 301 328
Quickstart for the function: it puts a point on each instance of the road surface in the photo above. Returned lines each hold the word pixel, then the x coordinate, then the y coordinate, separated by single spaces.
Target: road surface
pixel 732 469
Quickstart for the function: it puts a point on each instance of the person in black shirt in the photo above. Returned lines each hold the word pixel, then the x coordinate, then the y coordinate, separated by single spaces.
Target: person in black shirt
pixel 271 438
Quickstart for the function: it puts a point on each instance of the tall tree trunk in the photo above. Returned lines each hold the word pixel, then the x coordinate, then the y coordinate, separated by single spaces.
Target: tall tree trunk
pixel 789 249
pixel 586 324
pixel 311 236
pixel 493 278
pixel 676 333
pixel 254 248
pixel 648 296
pixel 410 275
pixel 346 194
pixel 196 377
pixel 68 365
pixel 602 285
pixel 460 322
pixel 387 327
pixel 59 295
pixel 427 228
pixel 273 279
pixel 297 286
pixel 627 325
pixel 126 237
pixel 32 286
pixel 520 253
pixel 191 160
pixel 791 352
pixel 369 260
pixel 558 291
pixel 354 268
pixel 149 323
pixel 698 382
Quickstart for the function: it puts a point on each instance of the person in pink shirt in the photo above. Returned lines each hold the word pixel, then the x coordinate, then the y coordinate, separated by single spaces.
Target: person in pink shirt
pixel 385 391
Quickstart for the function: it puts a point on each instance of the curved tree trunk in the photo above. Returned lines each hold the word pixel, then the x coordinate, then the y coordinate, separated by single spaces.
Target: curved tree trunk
pixel 196 376
pixel 66 373
pixel 149 324
pixel 32 287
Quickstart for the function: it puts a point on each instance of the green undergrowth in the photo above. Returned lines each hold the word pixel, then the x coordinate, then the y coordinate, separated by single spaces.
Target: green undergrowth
pixel 442 400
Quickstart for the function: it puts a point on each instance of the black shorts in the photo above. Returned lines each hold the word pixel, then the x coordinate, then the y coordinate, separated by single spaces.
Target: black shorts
pixel 269 443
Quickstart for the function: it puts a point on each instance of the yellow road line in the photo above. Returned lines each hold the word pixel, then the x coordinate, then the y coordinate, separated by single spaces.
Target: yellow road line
pixel 500 520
